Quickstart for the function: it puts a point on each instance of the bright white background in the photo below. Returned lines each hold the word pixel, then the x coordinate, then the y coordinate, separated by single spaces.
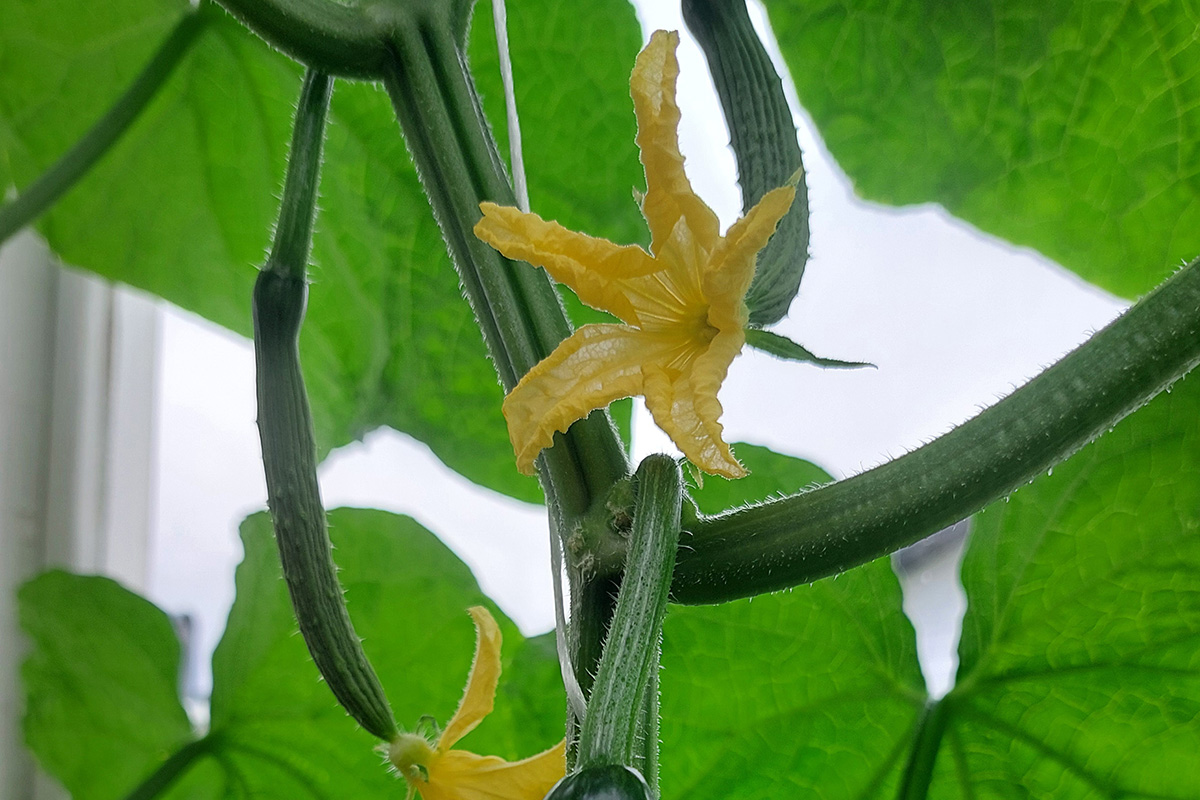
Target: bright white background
pixel 952 318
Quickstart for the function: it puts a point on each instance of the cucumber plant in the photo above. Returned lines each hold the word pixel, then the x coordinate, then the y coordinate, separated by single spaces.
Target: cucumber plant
pixel 1078 674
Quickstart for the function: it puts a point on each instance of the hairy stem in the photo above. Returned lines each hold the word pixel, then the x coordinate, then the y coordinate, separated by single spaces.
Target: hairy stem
pixel 618 707
pixel 286 430
pixel 337 39
pixel 517 306
pixel 75 163
pixel 804 537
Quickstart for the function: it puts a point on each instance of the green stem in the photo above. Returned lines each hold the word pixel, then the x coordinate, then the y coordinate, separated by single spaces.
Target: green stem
pixel 344 40
pixel 517 307
pixel 170 770
pixel 808 536
pixel 611 727
pixel 288 446
pixel 927 740
pixel 298 207
pixel 75 163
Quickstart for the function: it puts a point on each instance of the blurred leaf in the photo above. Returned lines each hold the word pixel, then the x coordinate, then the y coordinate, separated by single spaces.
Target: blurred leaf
pixel 1069 127
pixel 276 730
pixel 771 475
pixel 812 692
pixel 183 205
pixel 101 683
pixel 1080 653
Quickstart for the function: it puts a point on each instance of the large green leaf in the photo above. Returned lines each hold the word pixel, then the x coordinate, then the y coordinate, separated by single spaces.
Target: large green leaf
pixel 1080 653
pixel 1067 126
pixel 809 693
pixel 183 205
pixel 102 708
pixel 109 659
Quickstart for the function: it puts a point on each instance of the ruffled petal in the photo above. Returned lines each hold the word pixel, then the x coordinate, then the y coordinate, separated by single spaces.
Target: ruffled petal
pixel 594 268
pixel 593 367
pixel 479 697
pixel 731 267
pixel 460 775
pixel 669 194
pixel 685 405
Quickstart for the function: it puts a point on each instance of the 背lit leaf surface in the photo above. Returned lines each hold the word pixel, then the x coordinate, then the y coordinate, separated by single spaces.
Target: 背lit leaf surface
pixel 813 692
pixel 183 205
pixel 101 684
pixel 102 678
pixel 1080 654
pixel 1071 127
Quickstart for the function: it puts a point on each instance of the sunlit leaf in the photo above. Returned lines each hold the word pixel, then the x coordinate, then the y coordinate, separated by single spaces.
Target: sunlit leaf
pixel 183 205
pixel 1080 656
pixel 1066 126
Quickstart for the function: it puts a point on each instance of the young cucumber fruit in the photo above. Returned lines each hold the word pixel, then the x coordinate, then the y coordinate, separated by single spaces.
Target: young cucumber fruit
pixel 611 782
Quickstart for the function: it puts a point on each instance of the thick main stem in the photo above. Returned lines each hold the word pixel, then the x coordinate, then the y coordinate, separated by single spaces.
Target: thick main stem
pixel 808 536
pixel 83 155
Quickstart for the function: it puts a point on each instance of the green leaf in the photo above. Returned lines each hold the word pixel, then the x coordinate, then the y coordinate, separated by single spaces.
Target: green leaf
pixel 183 205
pixel 1079 671
pixel 812 692
pixel 102 706
pixel 276 731
pixel 782 347
pixel 771 475
pixel 1065 126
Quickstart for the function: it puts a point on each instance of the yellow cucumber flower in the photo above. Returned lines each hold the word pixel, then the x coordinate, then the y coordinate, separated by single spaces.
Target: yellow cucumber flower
pixel 439 773
pixel 683 303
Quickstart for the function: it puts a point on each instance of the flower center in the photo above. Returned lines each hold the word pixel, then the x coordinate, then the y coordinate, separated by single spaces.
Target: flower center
pixel 411 755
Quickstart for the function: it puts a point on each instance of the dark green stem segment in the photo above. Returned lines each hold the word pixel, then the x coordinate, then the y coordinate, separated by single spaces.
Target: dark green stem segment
pixel 763 137
pixel 298 207
pixel 75 163
pixel 610 729
pixel 290 453
pixel 927 740
pixel 517 307
pixel 171 770
pixel 808 536
pixel 338 39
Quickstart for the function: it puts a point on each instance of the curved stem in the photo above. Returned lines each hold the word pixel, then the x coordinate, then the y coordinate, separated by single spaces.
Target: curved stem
pixel 75 163
pixel 337 39
pixel 288 447
pixel 170 770
pixel 808 536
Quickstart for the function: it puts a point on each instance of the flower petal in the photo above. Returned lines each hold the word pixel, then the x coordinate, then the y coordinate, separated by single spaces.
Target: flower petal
pixel 731 267
pixel 590 369
pixel 669 194
pixel 479 697
pixel 594 268
pixel 686 407
pixel 460 775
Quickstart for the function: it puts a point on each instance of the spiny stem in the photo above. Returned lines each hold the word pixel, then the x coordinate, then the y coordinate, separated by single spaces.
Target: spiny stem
pixel 615 710
pixel 335 38
pixel 75 163
pixel 517 307
pixel 286 430
pixel 808 536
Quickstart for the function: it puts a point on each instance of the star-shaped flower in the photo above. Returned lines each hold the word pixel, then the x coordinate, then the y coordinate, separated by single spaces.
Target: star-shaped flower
pixel 439 773
pixel 683 303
